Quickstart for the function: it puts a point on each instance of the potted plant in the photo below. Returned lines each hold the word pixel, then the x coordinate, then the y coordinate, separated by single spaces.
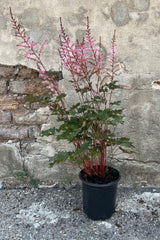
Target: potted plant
pixel 90 123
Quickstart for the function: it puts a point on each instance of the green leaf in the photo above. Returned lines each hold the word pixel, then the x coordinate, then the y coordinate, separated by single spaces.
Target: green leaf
pixel 124 142
pixel 59 157
pixel 73 108
pixel 62 95
pixel 83 108
pixel 113 85
pixel 40 99
pixel 115 103
pixel 83 90
pixel 126 151
pixel 49 132
pixel 83 147
pixel 98 99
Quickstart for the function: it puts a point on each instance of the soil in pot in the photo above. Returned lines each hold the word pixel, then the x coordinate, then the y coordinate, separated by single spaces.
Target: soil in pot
pixel 111 174
pixel 99 198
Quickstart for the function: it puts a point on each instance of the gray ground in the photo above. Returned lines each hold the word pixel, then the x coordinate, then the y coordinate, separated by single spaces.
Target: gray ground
pixel 56 213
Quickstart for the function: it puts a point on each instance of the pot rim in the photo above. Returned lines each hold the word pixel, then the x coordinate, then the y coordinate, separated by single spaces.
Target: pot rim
pixel 101 184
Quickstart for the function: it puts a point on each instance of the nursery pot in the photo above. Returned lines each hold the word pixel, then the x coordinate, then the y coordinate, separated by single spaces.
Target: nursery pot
pixel 99 199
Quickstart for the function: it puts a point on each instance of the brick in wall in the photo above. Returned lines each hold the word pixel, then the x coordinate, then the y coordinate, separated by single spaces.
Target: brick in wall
pixel 34 131
pixel 27 117
pixel 23 102
pixel 19 132
pixel 34 86
pixel 5 117
pixel 27 73
pixel 18 117
pixel 3 86
pixel 17 86
pixel 8 103
pixel 6 71
pixel 13 132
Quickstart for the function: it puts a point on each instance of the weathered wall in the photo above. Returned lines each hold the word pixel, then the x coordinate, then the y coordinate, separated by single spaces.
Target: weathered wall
pixel 137 23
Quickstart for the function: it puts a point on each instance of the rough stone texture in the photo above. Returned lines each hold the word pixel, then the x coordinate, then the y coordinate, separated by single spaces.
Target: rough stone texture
pixel 141 5
pixel 119 13
pixel 8 103
pixel 13 132
pixel 5 117
pixel 3 87
pixel 34 132
pixel 6 71
pixel 10 160
pixel 28 117
pixel 27 87
pixel 21 122
pixel 26 73
pixel 138 37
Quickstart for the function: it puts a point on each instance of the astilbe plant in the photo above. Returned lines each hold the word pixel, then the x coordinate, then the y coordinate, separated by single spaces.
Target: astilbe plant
pixel 90 124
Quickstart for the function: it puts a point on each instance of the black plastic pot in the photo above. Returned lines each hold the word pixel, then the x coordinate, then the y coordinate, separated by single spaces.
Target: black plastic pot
pixel 99 199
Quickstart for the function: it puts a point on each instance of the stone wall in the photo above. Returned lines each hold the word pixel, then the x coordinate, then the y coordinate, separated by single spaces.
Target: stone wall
pixel 21 122
pixel 20 119
pixel 137 24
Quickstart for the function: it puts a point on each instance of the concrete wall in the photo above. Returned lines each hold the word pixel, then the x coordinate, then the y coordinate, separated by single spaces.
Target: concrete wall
pixel 137 24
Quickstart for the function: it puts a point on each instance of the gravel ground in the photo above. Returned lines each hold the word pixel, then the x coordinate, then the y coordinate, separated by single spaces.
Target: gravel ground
pixel 56 214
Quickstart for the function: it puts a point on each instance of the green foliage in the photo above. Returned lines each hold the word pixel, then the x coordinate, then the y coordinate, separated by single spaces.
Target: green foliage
pixel 42 100
pixel 34 182
pixel 26 177
pixel 48 132
pixel 87 125
pixel 22 175
pixel 90 125
pixel 60 157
